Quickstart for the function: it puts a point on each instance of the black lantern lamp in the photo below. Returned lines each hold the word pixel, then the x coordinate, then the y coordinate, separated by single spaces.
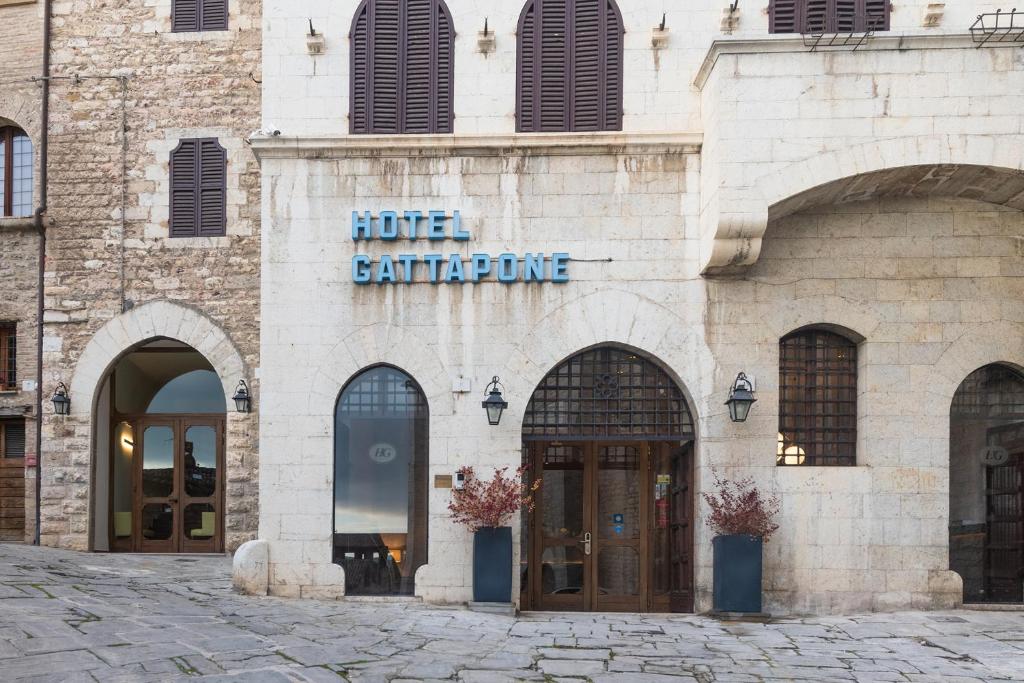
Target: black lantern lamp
pixel 741 398
pixel 242 398
pixel 61 400
pixel 494 404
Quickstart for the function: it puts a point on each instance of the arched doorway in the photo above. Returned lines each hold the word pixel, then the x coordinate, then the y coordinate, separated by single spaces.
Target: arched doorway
pixel 380 482
pixel 986 491
pixel 611 436
pixel 160 453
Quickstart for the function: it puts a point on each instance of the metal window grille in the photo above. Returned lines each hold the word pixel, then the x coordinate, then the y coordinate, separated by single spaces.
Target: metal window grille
pixel 383 391
pixel 12 439
pixel 817 399
pixel 8 357
pixel 991 392
pixel 608 392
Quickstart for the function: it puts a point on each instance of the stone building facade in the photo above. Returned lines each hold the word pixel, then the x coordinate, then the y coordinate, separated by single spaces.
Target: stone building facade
pixel 760 188
pixel 126 90
pixel 21 52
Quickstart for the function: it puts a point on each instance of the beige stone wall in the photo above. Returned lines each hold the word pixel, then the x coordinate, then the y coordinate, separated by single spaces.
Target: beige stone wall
pixel 935 288
pixel 115 62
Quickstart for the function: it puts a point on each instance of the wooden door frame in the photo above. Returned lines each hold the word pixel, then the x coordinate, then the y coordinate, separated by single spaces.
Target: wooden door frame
pixel 647 601
pixel 178 423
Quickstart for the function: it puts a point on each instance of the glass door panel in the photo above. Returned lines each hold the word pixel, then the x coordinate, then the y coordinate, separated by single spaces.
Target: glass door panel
pixel 159 502
pixel 620 520
pixel 561 550
pixel 200 472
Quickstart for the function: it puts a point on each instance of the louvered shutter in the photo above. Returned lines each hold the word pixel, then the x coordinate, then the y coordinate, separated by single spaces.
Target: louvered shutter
pixel 844 16
pixel 554 65
pixel 184 189
pixel 614 67
pixel 526 79
pixel 586 112
pixel 359 118
pixel 444 70
pixel 415 103
pixel 14 439
pixel 386 54
pixel 184 15
pixel 212 189
pixel 876 15
pixel 816 16
pixel 214 15
pixel 784 16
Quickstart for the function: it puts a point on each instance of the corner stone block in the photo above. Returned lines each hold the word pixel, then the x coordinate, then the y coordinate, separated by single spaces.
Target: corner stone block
pixel 250 572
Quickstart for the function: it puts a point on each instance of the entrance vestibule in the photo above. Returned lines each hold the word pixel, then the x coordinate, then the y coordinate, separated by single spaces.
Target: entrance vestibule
pixel 159 467
pixel 610 436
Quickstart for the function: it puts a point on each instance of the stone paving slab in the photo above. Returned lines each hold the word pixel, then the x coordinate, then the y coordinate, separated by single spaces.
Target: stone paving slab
pixel 70 618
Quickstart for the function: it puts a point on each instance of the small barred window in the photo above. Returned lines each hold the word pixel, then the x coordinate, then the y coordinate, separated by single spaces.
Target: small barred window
pixel 817 399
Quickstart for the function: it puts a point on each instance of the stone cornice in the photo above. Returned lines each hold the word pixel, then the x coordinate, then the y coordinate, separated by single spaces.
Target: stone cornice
pixel 876 43
pixel 520 144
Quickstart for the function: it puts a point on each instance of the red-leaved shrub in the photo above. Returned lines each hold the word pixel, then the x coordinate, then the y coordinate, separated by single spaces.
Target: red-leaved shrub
pixel 738 508
pixel 490 504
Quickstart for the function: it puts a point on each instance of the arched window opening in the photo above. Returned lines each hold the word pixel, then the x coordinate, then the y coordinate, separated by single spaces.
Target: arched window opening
pixel 986 491
pixel 380 482
pixel 817 399
pixel 570 66
pixel 16 162
pixel 402 67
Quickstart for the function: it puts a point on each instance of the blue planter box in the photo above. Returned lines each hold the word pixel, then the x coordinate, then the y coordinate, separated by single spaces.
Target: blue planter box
pixel 492 565
pixel 738 567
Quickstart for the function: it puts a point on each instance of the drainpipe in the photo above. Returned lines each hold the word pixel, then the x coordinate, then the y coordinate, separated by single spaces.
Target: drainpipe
pixel 44 148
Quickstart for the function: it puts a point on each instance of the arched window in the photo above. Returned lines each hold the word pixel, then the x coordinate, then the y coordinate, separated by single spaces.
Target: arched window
pixel 569 70
pixel 16 171
pixel 380 482
pixel 402 67
pixel 817 399
pixel 986 491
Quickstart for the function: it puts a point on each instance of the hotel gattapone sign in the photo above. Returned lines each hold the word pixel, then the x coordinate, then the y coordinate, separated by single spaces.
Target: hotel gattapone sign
pixel 435 226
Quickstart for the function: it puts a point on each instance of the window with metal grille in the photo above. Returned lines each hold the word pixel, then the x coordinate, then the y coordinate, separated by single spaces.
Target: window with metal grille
pixel 199 15
pixel 608 392
pixel 817 399
pixel 570 66
pixel 403 56
pixel 198 189
pixel 828 16
pixel 16 172
pixel 8 357
pixel 12 438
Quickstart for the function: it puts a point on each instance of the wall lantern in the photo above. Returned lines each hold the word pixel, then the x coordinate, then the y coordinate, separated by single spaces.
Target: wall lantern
pixel 61 400
pixel 494 404
pixel 242 398
pixel 741 398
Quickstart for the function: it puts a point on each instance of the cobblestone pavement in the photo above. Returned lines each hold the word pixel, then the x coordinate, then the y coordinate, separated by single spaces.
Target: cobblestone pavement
pixel 74 617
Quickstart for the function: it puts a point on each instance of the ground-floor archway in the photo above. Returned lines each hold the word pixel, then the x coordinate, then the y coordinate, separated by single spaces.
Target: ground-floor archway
pixel 610 435
pixel 986 490
pixel 159 465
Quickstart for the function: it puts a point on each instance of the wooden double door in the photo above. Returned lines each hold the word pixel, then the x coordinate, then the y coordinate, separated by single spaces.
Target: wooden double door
pixel 175 466
pixel 612 529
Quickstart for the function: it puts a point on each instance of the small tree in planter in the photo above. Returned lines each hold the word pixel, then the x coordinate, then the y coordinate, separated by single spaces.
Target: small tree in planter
pixel 486 507
pixel 743 520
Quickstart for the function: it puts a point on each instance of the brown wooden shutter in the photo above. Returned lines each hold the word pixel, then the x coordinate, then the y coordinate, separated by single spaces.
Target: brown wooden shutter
pixel 14 439
pixel 586 112
pixel 213 162
pixel 818 15
pixel 402 67
pixel 784 16
pixel 526 70
pixel 184 16
pixel 214 15
pixel 360 77
pixel 184 189
pixel 614 65
pixel 553 91
pixel 876 15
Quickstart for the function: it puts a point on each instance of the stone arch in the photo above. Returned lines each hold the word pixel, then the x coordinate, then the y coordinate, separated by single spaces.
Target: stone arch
pixel 144 323
pixel 995 343
pixel 17 109
pixel 850 318
pixel 739 227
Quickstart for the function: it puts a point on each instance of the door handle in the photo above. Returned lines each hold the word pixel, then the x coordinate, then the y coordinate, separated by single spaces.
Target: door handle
pixel 587 538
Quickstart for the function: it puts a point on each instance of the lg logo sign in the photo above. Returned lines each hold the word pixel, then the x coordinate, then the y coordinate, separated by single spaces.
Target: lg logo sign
pixel 382 453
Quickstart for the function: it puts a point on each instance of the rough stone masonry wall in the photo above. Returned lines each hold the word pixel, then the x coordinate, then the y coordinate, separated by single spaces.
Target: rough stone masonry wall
pixel 935 287
pixel 178 85
pixel 21 58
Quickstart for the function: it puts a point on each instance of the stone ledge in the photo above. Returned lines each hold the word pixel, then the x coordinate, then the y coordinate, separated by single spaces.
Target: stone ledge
pixel 523 144
pixel 21 223
pixel 888 41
